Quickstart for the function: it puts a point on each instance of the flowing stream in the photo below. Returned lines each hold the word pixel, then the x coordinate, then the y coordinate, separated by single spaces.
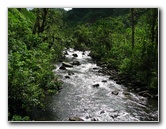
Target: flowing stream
pixel 92 96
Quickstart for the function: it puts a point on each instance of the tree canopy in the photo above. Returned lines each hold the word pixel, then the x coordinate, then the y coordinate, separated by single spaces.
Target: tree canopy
pixel 124 39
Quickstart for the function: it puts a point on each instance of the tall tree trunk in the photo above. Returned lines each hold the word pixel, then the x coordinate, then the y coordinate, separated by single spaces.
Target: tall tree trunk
pixel 154 28
pixel 45 11
pixel 41 16
pixel 154 34
pixel 38 21
pixel 132 27
pixel 36 27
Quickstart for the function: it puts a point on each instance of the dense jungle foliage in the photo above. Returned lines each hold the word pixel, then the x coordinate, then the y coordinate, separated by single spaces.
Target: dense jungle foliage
pixel 123 39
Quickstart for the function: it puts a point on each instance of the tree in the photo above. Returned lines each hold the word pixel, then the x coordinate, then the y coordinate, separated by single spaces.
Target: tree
pixel 41 16
pixel 132 27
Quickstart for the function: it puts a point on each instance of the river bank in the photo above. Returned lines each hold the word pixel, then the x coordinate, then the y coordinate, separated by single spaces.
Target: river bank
pixel 134 85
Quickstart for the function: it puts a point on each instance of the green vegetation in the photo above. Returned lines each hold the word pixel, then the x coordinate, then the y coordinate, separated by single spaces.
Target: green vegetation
pixel 30 60
pixel 124 39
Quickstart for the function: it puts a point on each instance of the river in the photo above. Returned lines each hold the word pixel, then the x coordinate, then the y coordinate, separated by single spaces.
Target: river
pixel 92 96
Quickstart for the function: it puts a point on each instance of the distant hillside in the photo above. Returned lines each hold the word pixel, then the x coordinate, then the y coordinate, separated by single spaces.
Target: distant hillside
pixel 90 15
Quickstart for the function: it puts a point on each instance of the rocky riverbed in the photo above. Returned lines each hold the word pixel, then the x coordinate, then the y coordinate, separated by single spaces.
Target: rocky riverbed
pixel 93 93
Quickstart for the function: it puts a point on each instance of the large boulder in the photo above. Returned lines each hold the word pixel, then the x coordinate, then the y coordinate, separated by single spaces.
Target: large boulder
pixel 75 118
pixel 76 63
pixel 65 64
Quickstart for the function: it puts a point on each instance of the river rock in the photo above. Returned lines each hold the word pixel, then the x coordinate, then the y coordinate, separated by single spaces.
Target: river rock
pixel 95 85
pixel 111 77
pixel 66 53
pixel 114 115
pixel 138 89
pixel 147 95
pixel 65 64
pixel 155 96
pixel 116 79
pixel 75 55
pixel 142 92
pixel 95 68
pixel 62 67
pixel 87 117
pixel 128 84
pixel 104 81
pixel 70 73
pixel 67 77
pixel 76 63
pixel 120 81
pixel 115 92
pixel 102 112
pixel 126 93
pixel 75 118
pixel 94 119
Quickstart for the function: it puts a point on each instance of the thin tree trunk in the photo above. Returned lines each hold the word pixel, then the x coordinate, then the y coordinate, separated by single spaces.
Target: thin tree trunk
pixel 45 11
pixel 153 26
pixel 132 26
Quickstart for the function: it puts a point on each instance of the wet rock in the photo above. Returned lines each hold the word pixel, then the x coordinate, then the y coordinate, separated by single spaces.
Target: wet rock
pixel 155 96
pixel 66 53
pixel 102 112
pixel 138 89
pixel 126 93
pixel 94 119
pixel 135 114
pixel 116 79
pixel 83 53
pixel 95 85
pixel 120 81
pixel 137 82
pixel 129 84
pixel 76 63
pixel 65 64
pixel 100 71
pixel 63 57
pixel 95 68
pixel 89 116
pixel 75 55
pixel 142 92
pixel 75 118
pixel 67 77
pixel 104 81
pixel 70 73
pixel 111 77
pixel 115 92
pixel 62 67
pixel 114 115
pixel 147 95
